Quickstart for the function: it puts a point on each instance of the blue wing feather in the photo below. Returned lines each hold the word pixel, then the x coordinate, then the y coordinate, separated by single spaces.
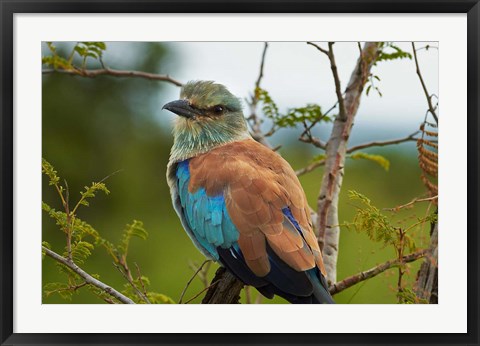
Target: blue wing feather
pixel 213 230
pixel 205 215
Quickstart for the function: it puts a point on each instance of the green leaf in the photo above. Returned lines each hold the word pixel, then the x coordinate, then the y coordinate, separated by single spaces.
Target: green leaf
pixel 370 221
pixel 294 116
pixel 378 159
pixel 48 169
pixel 159 298
pixel 81 250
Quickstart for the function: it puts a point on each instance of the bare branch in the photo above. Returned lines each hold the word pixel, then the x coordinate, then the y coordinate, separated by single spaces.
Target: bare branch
pixel 409 138
pixel 313 140
pixel 87 277
pixel 431 108
pixel 324 51
pixel 191 279
pixel 426 285
pixel 336 78
pixel 256 122
pixel 412 202
pixel 226 289
pixel 116 73
pixel 130 281
pixel 310 168
pixel 203 290
pixel 327 204
pixel 370 273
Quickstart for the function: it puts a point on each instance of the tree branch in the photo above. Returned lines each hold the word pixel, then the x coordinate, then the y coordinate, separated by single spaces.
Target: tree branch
pixel 431 108
pixel 116 73
pixel 310 168
pixel 426 285
pixel 256 122
pixel 191 279
pixel 224 289
pixel 410 137
pixel 313 140
pixel 87 277
pixel 370 273
pixel 329 231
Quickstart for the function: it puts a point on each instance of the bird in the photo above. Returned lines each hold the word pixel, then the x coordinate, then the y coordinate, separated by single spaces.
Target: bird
pixel 240 202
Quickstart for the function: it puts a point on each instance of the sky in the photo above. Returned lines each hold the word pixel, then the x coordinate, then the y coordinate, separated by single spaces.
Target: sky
pixel 296 74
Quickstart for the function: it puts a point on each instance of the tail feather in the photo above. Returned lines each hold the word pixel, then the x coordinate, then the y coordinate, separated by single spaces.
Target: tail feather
pixel 320 287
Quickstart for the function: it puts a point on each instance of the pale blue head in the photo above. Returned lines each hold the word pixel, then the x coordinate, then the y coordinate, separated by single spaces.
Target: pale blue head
pixel 208 116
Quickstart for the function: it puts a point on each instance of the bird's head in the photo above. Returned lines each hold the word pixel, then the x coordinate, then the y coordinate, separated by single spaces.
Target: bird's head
pixel 209 116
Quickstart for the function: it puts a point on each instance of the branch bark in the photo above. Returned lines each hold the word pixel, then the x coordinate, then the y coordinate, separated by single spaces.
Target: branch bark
pixel 370 273
pixel 329 231
pixel 256 122
pixel 224 289
pixel 431 108
pixel 426 285
pixel 87 277
pixel 384 143
pixel 116 73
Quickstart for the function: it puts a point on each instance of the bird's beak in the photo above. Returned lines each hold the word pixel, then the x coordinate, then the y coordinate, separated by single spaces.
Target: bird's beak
pixel 182 108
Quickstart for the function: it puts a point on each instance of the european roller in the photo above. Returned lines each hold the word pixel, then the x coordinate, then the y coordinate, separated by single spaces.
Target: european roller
pixel 240 202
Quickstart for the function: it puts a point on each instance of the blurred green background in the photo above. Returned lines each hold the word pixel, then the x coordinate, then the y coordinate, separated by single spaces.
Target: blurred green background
pixel 93 127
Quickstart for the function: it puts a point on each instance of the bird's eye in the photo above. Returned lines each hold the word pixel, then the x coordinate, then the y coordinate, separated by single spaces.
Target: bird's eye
pixel 218 109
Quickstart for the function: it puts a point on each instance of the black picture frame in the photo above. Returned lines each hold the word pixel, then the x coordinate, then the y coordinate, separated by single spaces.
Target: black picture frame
pixel 11 7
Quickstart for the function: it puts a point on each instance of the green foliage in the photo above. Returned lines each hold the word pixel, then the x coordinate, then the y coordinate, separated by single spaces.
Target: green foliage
pixel 60 288
pixel 90 192
pixel 59 216
pixel 142 284
pixel 48 169
pixel 84 50
pixel 90 49
pixel 407 296
pixel 370 221
pixel 269 107
pixel 135 229
pixel 378 159
pixel 79 249
pixel 389 51
pixel 294 116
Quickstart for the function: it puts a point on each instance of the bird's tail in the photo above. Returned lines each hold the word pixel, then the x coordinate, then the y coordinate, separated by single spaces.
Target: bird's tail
pixel 321 295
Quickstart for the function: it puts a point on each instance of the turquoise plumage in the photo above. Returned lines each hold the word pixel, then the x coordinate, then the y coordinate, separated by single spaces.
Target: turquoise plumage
pixel 206 216
pixel 241 203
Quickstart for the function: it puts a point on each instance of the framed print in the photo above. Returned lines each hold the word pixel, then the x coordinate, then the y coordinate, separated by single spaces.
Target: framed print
pixel 197 172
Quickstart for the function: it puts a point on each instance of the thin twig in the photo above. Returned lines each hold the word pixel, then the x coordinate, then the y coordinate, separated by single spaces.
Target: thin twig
pixel 370 273
pixel 431 108
pixel 87 277
pixel 191 279
pixel 336 78
pixel 139 274
pixel 199 293
pixel 412 202
pixel 130 281
pixel 310 168
pixel 313 140
pixel 324 51
pixel 256 122
pixel 410 137
pixel 116 73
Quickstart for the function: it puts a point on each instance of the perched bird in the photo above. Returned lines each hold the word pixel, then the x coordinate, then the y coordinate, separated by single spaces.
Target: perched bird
pixel 240 202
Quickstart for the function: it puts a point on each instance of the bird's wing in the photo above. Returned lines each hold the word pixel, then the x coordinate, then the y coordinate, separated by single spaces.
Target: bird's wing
pixel 265 202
